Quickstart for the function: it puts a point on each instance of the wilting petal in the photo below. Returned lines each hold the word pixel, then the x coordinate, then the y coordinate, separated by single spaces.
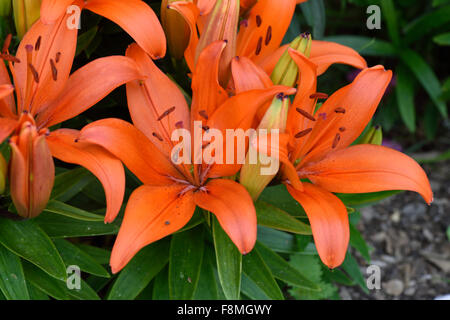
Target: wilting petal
pixel 329 222
pixel 107 168
pixel 207 95
pixel 6 127
pixel 152 213
pixel 57 44
pixel 346 113
pixel 233 207
pixel 264 29
pixel 190 13
pixel 134 149
pixel 248 76
pixel 89 85
pixel 156 105
pixel 325 53
pixel 369 168
pixel 51 10
pixel 137 19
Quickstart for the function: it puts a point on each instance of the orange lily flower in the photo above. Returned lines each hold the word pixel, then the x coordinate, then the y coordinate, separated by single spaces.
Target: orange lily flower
pixel 134 16
pixel 171 192
pixel 261 33
pixel 319 150
pixel 46 95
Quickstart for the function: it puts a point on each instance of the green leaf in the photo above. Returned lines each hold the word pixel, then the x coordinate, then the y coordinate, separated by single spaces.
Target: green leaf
pixel 405 98
pixel 282 270
pixel 357 241
pixel 431 121
pixel 251 290
pixel 352 268
pixel 138 273
pixel 390 15
pixel 314 12
pixel 442 39
pixel 161 286
pixel 426 23
pixel 357 200
pixel 365 46
pixel 256 269
pixel 12 279
pixel 186 254
pixel 57 289
pixel 70 183
pixel 229 262
pixel 72 255
pixel 54 206
pixel 270 216
pixel 58 226
pixel 279 197
pixel 426 77
pixel 100 255
pixel 35 293
pixel 207 288
pixel 277 240
pixel 27 240
pixel 448 233
pixel 85 39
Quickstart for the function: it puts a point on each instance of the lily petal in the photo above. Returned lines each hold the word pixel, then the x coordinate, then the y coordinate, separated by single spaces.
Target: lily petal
pixel 325 53
pixel 248 76
pixel 233 207
pixel 89 85
pixel 190 13
pixel 369 168
pixel 329 222
pixel 156 104
pixel 7 105
pixel 6 127
pixel 346 113
pixel 131 146
pixel 137 19
pixel 51 10
pixel 207 95
pixel 57 44
pixel 205 6
pixel 152 213
pixel 107 168
pixel 265 28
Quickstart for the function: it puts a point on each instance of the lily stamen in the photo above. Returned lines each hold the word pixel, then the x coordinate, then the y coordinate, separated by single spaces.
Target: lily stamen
pixel 305 114
pixel 268 36
pixel 337 138
pixel 54 70
pixel 319 95
pixel 259 46
pixel 157 136
pixel 303 133
pixel 166 113
pixel 339 110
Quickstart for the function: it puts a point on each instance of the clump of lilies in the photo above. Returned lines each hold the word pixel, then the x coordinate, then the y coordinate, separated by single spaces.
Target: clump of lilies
pixel 242 78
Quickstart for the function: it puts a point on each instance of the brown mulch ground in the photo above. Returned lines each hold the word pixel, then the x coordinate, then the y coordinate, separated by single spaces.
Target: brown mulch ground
pixel 410 242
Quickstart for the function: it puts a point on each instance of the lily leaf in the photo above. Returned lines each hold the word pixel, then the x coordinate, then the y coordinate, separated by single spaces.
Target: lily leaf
pixel 186 255
pixel 27 240
pixel 140 271
pixel 270 216
pixel 61 208
pixel 12 280
pixel 229 262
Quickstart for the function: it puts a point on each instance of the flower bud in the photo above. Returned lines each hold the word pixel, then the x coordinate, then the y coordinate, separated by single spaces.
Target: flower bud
pixel 251 176
pixel 26 12
pixel 286 70
pixel 32 171
pixel 5 8
pixel 373 136
pixel 3 173
pixel 221 25
pixel 176 30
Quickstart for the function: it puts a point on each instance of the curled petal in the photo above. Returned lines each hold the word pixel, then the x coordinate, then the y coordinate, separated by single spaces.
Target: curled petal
pixel 329 222
pixel 369 168
pixel 233 207
pixel 152 213
pixel 107 168
pixel 248 76
pixel 137 19
pixel 325 53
